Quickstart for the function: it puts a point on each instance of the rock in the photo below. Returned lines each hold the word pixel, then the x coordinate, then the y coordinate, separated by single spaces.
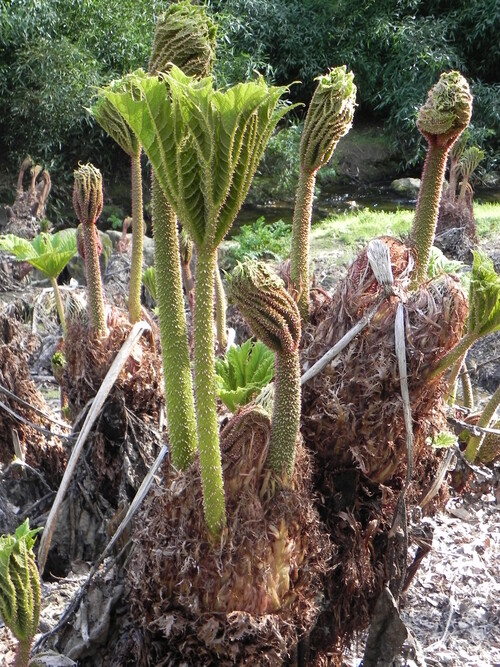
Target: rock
pixel 407 186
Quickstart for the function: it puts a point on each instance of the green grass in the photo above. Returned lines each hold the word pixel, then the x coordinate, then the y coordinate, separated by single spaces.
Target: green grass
pixel 488 219
pixel 343 235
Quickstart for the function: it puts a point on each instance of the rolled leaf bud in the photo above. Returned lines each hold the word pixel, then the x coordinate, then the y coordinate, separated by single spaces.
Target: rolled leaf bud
pixel 329 117
pixel 264 302
pixel 87 201
pixel 447 110
pixel 444 116
pixel 274 317
pixel 19 583
pixel 185 36
pixel 87 194
pixel 115 125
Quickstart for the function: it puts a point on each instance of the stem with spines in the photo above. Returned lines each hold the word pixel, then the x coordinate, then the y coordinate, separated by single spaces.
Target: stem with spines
pixel 475 441
pixel 59 303
pixel 206 396
pixel 173 329
pixel 134 306
pixel 441 120
pixel 302 216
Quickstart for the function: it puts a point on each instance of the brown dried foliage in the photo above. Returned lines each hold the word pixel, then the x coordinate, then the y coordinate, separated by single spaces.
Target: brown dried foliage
pixel 352 411
pixel 41 451
pixel 244 601
pixel 353 423
pixel 89 357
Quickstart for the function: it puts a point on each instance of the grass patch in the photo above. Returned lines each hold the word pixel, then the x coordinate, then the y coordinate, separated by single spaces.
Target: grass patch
pixel 488 219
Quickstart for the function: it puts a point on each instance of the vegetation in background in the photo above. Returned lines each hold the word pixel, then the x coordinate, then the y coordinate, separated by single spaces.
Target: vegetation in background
pixel 261 240
pixel 54 54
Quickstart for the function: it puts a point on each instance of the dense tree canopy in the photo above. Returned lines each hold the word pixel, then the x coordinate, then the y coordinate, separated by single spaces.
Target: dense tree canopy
pixel 54 53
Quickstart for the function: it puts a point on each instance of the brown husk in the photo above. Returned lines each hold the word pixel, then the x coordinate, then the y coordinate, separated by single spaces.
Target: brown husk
pixel 42 452
pixel 248 599
pixel 353 423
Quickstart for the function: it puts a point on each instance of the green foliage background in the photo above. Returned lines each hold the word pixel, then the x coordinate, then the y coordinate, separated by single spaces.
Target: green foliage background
pixel 54 53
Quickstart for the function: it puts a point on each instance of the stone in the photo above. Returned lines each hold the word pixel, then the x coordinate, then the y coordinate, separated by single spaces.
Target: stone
pixel 406 186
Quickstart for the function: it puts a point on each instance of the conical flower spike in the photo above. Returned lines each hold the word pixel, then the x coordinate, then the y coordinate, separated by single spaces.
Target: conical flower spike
pixel 185 36
pixel 274 317
pixel 329 118
pixel 20 588
pixel 87 201
pixel 441 120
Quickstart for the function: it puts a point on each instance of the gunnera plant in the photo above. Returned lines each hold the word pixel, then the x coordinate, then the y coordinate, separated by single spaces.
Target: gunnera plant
pixel 87 202
pixel 114 124
pixel 353 410
pixel 204 146
pixel 20 590
pixel 328 119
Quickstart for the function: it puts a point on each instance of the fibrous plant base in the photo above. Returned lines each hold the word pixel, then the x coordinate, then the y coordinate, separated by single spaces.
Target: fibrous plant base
pixel 247 599
pixel 41 452
pixel 353 423
pixel 89 357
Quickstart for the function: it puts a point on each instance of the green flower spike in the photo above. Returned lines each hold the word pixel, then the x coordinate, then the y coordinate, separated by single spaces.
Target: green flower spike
pixel 441 120
pixel 87 202
pixel 20 591
pixel 329 118
pixel 274 318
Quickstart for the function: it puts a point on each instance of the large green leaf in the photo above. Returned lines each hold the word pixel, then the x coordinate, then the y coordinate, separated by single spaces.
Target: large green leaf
pixel 484 296
pixel 243 372
pixel 49 253
pixel 204 145
pixel 115 125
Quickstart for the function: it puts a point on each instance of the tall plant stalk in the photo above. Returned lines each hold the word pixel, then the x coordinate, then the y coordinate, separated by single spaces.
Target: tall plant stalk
pixel 329 118
pixel 173 331
pixel 487 415
pixel 441 120
pixel 115 125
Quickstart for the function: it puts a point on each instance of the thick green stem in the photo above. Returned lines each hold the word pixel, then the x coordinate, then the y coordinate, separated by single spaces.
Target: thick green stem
pixel 59 303
pixel 220 310
pixel 94 282
pixel 454 355
pixel 206 398
pixel 23 653
pixel 174 339
pixel 426 214
pixel 286 414
pixel 487 415
pixel 134 303
pixel 301 231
